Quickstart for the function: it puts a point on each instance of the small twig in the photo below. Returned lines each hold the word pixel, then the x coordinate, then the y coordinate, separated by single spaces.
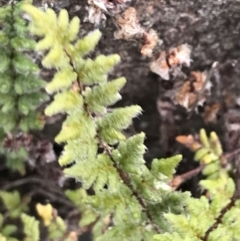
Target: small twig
pixel 74 69
pixel 55 198
pixel 54 193
pixel 179 179
pixel 26 181
pixel 232 154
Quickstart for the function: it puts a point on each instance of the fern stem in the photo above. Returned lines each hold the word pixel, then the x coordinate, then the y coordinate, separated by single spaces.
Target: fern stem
pixel 219 218
pixel 74 69
pixel 126 180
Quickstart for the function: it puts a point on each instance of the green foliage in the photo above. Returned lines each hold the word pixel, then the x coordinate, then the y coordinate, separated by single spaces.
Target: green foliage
pixel 19 84
pixel 6 231
pixel 14 208
pixel 210 155
pixel 126 192
pixel 56 227
pixel 12 201
pixel 129 200
pixel 16 160
pixel 215 217
pixel 30 227
pixel 78 197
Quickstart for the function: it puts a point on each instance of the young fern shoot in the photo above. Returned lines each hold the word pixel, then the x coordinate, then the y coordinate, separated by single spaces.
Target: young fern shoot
pixel 124 187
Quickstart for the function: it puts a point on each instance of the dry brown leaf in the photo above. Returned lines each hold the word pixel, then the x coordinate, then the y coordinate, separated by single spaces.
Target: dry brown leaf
pixel 97 9
pixel 95 13
pixel 189 141
pixel 193 91
pixel 160 66
pixel 150 42
pixel 129 26
pixel 229 99
pixel 166 62
pixel 73 236
pixel 122 1
pixel 185 97
pixel 180 55
pixel 176 182
pixel 210 113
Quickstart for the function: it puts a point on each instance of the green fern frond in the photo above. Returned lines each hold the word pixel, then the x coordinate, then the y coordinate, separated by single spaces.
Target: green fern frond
pixel 31 228
pixel 165 166
pixel 206 219
pixel 65 102
pixel 18 76
pixel 99 154
pixel 13 203
pixel 104 95
pixel 88 43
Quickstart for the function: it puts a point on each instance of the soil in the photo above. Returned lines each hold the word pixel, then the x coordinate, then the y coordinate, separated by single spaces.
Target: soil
pixel 212 28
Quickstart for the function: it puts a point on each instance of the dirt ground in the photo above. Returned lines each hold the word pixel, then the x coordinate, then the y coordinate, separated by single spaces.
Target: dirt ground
pixel 212 28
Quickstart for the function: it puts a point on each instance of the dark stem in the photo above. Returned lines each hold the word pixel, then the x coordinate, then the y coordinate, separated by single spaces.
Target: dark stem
pixel 219 219
pixel 232 154
pixel 126 180
pixel 179 179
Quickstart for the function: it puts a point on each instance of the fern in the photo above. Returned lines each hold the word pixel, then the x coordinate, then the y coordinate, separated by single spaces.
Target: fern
pixel 6 231
pixel 31 228
pixel 13 203
pixel 15 206
pixel 215 217
pixel 20 85
pixel 124 187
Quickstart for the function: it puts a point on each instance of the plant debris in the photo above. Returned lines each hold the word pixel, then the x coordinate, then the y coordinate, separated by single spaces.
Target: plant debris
pixel 164 63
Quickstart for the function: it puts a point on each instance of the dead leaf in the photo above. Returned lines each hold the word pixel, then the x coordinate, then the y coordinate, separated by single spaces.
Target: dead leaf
pixel 160 66
pixel 129 26
pixel 97 9
pixel 180 55
pixel 210 112
pixel 193 91
pixel 150 42
pixel 165 62
pixel 189 141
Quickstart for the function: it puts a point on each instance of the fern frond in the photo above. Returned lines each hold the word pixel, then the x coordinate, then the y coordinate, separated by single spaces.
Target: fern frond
pixel 12 202
pixel 31 228
pixel 65 102
pixel 62 80
pixel 104 95
pixel 87 44
pixel 123 186
pixel 18 71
